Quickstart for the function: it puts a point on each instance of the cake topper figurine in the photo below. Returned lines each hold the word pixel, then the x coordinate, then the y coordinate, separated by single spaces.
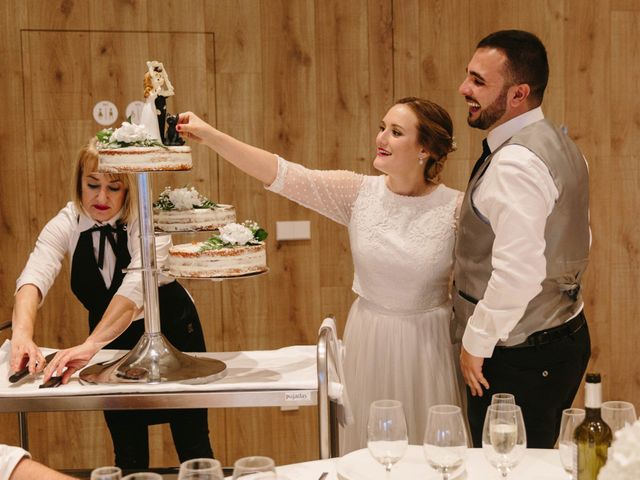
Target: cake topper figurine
pixel 173 138
pixel 157 88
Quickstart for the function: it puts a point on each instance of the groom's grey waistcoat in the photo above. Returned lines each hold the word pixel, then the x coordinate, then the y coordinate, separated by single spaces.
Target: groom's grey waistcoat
pixel 566 235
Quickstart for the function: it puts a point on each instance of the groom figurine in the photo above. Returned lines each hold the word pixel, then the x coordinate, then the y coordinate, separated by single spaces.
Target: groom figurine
pixel 523 244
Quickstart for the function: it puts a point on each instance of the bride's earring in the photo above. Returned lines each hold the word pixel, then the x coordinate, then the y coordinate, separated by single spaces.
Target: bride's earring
pixel 421 160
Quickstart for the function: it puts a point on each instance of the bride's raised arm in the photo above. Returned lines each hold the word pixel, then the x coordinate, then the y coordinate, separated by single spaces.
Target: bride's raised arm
pixel 254 161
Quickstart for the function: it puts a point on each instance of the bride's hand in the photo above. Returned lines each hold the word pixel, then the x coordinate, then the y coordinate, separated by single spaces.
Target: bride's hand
pixel 193 127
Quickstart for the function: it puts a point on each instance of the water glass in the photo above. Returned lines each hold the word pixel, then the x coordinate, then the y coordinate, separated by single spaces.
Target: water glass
pixel 201 469
pixel 503 398
pixel 387 438
pixel 106 473
pixel 504 439
pixel 143 476
pixel 571 418
pixel 617 414
pixel 445 439
pixel 259 468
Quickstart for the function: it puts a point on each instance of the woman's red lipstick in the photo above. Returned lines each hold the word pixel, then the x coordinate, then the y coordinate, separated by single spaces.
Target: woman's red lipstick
pixel 101 207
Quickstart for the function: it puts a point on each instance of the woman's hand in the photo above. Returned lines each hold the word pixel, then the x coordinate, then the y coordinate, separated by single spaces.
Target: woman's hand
pixel 193 127
pixel 73 359
pixel 24 352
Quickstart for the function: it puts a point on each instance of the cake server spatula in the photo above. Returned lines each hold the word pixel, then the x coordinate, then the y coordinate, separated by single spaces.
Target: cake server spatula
pixel 20 374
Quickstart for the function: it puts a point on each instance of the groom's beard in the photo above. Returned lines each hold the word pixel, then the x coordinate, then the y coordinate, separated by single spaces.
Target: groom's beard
pixel 492 113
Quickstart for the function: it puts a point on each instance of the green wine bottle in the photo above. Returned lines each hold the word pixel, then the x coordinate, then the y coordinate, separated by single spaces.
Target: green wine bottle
pixel 593 436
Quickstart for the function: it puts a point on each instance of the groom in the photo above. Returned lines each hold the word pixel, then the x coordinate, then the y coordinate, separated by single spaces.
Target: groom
pixel 523 244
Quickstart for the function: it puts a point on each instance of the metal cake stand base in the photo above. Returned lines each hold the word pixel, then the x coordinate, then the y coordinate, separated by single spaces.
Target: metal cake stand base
pixel 155 360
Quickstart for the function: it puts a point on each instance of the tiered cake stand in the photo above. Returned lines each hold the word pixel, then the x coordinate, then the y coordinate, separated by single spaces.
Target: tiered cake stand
pixel 153 359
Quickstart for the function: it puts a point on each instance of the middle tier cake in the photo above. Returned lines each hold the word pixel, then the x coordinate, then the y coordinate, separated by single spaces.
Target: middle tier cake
pixel 237 250
pixel 185 210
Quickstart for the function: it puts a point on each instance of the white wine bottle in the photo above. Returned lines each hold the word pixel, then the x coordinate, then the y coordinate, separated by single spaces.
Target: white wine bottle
pixel 593 436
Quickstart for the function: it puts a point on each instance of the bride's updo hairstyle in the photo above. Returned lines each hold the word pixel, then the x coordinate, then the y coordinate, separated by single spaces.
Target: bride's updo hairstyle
pixel 435 134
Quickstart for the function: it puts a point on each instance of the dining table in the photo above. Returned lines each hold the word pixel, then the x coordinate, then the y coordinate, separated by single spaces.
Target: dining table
pixel 536 464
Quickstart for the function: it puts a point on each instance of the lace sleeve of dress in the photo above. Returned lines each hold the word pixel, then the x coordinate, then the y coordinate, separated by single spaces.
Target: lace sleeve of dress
pixel 329 192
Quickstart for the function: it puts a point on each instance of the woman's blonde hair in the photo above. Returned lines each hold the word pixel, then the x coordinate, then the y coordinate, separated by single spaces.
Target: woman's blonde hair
pixel 87 161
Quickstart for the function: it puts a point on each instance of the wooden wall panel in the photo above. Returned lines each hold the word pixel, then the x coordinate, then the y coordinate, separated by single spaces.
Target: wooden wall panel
pixel 309 80
pixel 406 52
pixel 624 235
pixel 284 117
pixel 587 38
pixel 445 49
pixel 547 22
pixel 344 138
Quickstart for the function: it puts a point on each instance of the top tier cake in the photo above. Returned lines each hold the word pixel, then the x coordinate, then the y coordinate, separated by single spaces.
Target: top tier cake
pixel 149 146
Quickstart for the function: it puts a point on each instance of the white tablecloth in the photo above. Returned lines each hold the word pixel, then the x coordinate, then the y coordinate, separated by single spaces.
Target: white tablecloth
pixel 288 368
pixel 537 464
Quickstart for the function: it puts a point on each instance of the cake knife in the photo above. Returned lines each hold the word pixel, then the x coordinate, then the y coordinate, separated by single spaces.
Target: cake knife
pixel 20 374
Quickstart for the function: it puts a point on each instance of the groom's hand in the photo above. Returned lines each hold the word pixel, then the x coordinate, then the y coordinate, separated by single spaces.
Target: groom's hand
pixel 471 368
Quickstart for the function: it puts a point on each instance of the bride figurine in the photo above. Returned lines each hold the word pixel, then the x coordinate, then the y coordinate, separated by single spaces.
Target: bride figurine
pixel 157 88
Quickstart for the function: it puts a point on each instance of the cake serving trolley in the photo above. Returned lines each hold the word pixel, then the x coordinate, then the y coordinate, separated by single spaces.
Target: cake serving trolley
pixel 153 359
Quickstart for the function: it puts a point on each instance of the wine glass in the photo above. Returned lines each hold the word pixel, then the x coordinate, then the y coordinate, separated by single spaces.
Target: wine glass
pixel 106 473
pixel 617 414
pixel 445 439
pixel 387 432
pixel 571 418
pixel 259 468
pixel 503 398
pixel 504 439
pixel 143 476
pixel 201 469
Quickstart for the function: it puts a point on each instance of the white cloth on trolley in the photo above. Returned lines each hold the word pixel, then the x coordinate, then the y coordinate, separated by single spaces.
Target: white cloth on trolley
pixel 288 368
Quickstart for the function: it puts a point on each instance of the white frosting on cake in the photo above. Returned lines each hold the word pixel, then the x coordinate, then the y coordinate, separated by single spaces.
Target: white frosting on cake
pixel 186 260
pixel 144 159
pixel 194 218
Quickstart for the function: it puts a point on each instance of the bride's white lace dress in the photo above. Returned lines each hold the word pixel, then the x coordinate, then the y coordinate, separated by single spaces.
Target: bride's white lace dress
pixel 397 335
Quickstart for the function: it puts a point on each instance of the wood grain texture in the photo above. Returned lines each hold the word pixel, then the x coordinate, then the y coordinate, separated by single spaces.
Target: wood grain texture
pixel 623 238
pixel 587 51
pixel 308 80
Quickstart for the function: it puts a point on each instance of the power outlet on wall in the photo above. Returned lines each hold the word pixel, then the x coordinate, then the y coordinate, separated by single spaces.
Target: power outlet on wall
pixel 293 230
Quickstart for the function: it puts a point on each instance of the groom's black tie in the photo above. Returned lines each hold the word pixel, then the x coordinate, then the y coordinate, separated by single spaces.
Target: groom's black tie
pixel 485 153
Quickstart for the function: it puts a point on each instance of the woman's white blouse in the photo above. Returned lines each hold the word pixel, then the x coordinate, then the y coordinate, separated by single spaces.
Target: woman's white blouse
pixel 60 237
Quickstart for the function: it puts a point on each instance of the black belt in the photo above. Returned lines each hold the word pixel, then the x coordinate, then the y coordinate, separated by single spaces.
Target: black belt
pixel 551 335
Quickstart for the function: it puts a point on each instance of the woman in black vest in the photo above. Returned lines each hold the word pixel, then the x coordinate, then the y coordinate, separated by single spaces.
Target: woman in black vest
pixel 99 231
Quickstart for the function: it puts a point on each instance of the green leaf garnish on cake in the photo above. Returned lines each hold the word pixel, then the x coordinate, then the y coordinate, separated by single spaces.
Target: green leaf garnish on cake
pixel 185 198
pixel 128 135
pixel 236 235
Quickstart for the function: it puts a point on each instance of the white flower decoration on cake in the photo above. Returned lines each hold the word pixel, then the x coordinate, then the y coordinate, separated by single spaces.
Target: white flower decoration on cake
pixel 184 198
pixel 623 461
pixel 236 234
pixel 130 133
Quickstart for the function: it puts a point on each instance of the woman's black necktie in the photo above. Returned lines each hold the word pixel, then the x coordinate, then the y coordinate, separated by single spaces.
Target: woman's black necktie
pixel 485 153
pixel 107 232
